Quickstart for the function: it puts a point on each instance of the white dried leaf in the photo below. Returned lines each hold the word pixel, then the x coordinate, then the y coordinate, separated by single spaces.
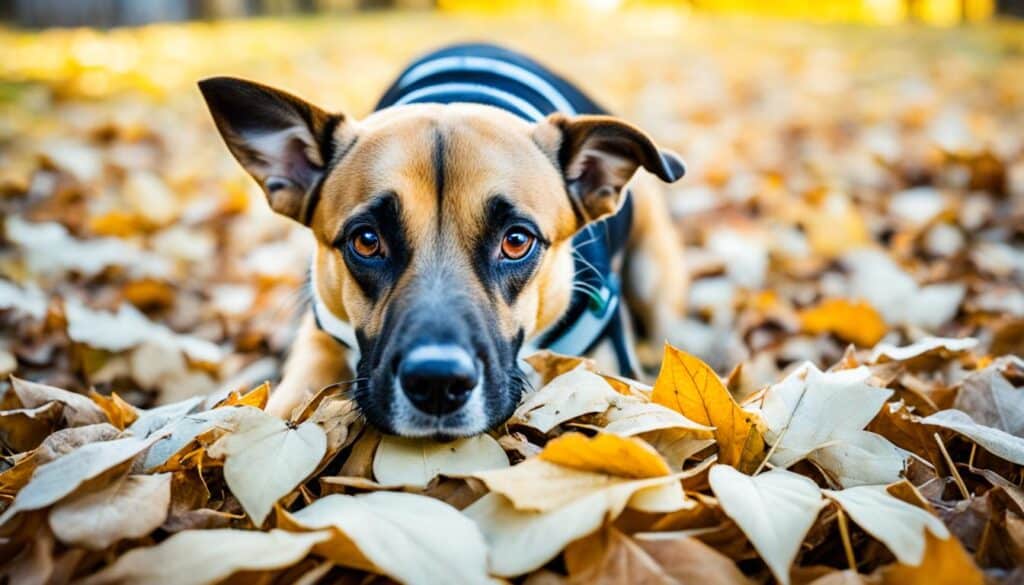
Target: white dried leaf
pixel 775 510
pixel 995 441
pixel 899 525
pixel 410 538
pixel 414 462
pixel 59 478
pixel 568 396
pixel 203 557
pixel 810 408
pixel 130 507
pixel 128 328
pixel 265 459
pixel 922 347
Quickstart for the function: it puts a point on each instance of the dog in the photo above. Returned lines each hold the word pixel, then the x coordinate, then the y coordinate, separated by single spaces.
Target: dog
pixel 484 210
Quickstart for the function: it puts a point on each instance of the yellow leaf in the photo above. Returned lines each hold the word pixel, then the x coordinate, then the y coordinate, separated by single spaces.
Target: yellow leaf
pixel 120 413
pixel 945 563
pixel 853 321
pixel 119 224
pixel 606 453
pixel 256 398
pixel 690 387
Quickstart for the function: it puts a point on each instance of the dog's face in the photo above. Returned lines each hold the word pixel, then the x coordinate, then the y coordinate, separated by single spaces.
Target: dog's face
pixel 443 235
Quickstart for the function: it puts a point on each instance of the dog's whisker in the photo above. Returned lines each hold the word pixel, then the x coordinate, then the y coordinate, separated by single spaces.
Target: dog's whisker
pixel 586 288
pixel 294 302
pixel 587 264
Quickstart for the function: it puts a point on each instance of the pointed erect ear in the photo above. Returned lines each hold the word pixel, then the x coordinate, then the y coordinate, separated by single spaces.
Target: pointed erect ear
pixel 284 142
pixel 598 156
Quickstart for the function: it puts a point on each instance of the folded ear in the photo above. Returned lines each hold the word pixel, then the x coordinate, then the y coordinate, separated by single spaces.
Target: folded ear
pixel 598 155
pixel 282 141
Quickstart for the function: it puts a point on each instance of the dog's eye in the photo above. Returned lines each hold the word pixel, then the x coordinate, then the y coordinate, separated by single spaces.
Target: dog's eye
pixel 517 243
pixel 366 243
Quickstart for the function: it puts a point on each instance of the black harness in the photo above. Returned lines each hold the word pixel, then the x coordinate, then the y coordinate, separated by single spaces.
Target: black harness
pixel 491 75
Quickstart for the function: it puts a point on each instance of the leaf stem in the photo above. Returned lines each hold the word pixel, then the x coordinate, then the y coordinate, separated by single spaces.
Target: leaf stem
pixel 844 533
pixel 952 468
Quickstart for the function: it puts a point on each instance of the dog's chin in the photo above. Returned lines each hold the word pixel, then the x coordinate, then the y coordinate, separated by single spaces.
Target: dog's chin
pixel 402 418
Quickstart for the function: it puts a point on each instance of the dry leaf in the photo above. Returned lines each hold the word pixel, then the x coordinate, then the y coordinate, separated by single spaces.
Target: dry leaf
pixel 62 476
pixel 610 557
pixel 199 557
pixel 128 328
pixel 945 562
pixel 67 440
pixel 853 321
pixel 821 416
pixel 536 508
pixel 775 510
pixel 860 458
pixel 550 365
pixel 155 419
pixel 130 507
pixel 886 352
pixel 265 459
pixel 608 454
pixel 119 413
pixel 23 429
pixel 414 462
pixel 568 396
pixel 899 525
pixel 78 409
pixel 688 386
pixel 182 428
pixel 995 441
pixel 411 538
pixel 256 398
pixel 991 400
pixel 633 417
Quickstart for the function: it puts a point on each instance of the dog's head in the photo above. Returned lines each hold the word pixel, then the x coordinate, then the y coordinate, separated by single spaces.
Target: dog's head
pixel 443 234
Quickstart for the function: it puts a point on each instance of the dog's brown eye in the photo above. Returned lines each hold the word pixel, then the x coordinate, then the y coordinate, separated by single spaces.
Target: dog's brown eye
pixel 366 243
pixel 517 243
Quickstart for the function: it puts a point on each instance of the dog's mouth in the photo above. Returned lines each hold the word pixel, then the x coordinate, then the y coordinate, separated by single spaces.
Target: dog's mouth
pixel 444 397
pixel 438 371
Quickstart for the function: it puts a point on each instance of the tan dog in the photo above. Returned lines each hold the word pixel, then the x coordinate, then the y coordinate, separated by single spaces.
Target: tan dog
pixel 448 234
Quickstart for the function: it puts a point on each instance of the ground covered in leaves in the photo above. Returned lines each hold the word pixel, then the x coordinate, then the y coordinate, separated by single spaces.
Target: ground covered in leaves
pixel 845 404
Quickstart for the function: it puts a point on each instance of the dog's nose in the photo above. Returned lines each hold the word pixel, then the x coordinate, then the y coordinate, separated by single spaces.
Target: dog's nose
pixel 438 379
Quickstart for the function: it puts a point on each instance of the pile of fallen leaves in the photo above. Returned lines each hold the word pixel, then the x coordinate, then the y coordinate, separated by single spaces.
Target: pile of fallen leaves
pixel 824 477
pixel 854 221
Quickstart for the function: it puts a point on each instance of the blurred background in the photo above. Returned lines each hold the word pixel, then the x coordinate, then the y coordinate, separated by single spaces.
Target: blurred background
pixel 106 13
pixel 856 170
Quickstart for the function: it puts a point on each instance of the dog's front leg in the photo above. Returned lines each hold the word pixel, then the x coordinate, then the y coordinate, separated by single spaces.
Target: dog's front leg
pixel 314 361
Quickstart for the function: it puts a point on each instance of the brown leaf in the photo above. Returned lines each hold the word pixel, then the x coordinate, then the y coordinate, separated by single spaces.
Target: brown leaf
pixel 78 409
pixel 991 400
pixel 23 429
pixel 34 564
pixel 550 365
pixel 690 561
pixel 610 557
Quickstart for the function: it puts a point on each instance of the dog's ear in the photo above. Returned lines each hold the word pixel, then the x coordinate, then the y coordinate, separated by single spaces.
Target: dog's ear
pixel 598 155
pixel 281 140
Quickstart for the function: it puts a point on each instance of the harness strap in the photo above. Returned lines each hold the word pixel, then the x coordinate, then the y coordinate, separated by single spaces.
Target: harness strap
pixel 341 331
